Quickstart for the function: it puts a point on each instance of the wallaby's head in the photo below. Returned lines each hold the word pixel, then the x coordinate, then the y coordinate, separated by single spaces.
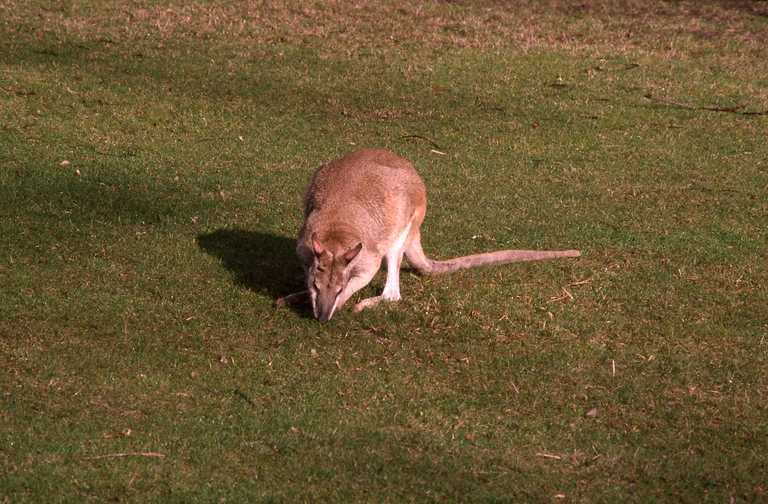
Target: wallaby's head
pixel 327 277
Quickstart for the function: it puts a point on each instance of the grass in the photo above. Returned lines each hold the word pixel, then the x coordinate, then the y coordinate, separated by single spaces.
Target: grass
pixel 152 161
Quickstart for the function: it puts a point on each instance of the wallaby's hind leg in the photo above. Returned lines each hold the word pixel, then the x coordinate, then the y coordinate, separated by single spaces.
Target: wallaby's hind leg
pixel 392 286
pixel 415 254
pixel 413 251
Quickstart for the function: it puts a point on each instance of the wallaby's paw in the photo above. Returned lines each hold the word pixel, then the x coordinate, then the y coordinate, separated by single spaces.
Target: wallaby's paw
pixel 367 303
pixel 373 301
pixel 291 299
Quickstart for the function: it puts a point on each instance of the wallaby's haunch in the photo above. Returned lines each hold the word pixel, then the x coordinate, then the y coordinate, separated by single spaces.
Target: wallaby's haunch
pixel 360 209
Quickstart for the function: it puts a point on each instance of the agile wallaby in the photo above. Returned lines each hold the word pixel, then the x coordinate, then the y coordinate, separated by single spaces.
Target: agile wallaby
pixel 361 208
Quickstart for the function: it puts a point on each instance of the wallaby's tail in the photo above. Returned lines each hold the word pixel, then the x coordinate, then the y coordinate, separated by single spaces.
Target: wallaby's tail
pixel 416 257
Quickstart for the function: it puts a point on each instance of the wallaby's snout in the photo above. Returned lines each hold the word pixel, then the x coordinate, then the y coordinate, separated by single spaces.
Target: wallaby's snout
pixel 324 307
pixel 328 276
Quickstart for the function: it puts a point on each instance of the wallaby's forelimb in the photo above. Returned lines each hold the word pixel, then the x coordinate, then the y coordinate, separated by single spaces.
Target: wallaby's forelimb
pixel 295 298
pixel 368 303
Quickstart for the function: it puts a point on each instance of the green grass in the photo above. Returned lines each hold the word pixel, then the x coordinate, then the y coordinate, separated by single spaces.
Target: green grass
pixel 137 279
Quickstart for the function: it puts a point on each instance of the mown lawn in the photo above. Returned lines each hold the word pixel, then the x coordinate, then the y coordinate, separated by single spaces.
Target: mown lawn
pixel 152 161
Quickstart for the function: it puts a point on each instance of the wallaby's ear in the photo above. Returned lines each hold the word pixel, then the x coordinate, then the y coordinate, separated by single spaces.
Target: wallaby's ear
pixel 317 247
pixel 352 253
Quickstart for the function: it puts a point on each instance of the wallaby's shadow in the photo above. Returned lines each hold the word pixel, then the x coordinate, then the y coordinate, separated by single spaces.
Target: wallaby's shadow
pixel 262 262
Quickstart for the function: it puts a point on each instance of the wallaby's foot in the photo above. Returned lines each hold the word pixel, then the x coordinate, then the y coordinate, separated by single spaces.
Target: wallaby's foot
pixel 292 299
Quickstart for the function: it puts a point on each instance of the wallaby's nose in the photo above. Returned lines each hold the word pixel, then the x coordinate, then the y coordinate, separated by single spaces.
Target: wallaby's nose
pixel 325 307
pixel 324 315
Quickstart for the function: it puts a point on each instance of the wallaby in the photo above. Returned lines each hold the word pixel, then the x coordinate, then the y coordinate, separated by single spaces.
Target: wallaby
pixel 361 208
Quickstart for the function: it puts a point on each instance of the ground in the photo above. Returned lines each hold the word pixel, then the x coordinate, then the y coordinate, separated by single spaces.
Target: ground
pixel 153 157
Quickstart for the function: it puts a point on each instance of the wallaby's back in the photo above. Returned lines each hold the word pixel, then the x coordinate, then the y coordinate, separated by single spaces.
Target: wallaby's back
pixel 372 192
